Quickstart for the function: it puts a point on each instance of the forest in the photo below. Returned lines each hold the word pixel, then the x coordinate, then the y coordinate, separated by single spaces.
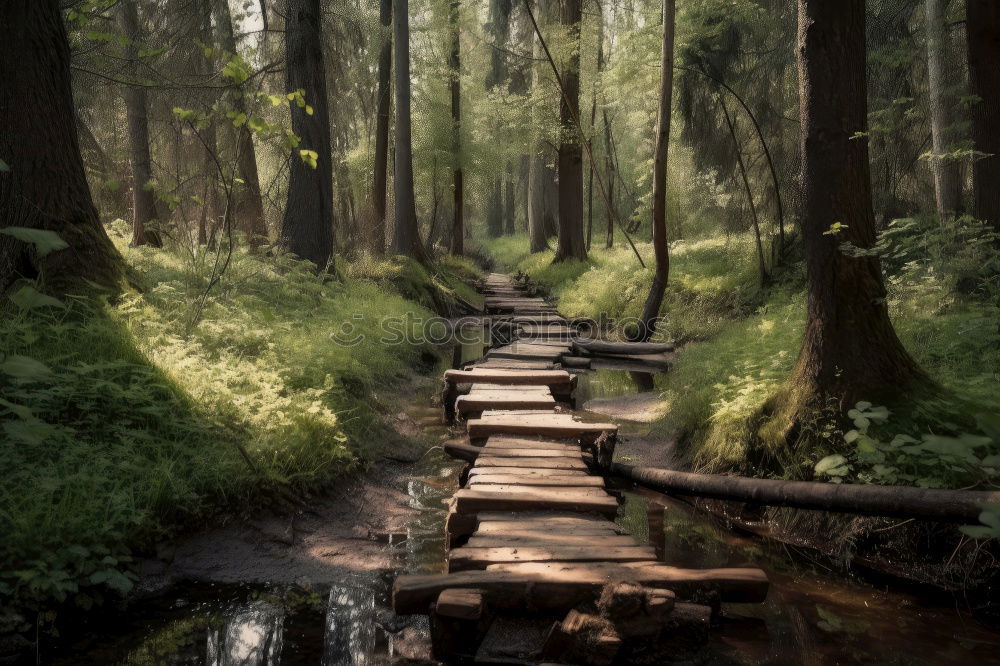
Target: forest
pixel 499 331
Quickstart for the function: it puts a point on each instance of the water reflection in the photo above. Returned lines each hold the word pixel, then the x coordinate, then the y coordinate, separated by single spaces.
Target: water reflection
pixel 349 639
pixel 249 638
pixel 813 614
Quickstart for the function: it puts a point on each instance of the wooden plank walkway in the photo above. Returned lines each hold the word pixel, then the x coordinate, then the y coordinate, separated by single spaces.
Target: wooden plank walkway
pixel 532 529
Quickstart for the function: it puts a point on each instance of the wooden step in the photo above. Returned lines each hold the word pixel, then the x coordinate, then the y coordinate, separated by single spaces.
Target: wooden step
pixel 562 480
pixel 533 463
pixel 533 423
pixel 479 375
pixel 466 558
pixel 527 498
pixel 536 539
pixel 564 585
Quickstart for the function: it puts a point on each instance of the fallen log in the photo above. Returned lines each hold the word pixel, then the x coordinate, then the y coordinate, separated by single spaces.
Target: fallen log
pixel 602 348
pixel 462 451
pixel 959 506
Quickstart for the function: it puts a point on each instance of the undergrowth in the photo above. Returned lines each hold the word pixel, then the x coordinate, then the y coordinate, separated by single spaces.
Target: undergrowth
pixel 123 421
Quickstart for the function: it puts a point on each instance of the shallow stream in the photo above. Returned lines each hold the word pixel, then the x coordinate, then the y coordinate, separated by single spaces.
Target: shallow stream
pixel 815 613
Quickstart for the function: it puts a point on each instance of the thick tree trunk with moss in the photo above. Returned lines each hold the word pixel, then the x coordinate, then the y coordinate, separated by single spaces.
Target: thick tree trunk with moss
pixel 307 229
pixel 379 180
pixel 43 185
pixel 983 27
pixel 850 350
pixel 651 309
pixel 144 209
pixel 947 179
pixel 406 236
pixel 571 243
pixel 248 204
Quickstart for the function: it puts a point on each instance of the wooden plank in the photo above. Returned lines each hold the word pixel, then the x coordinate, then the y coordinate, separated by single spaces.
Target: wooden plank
pixel 551 425
pixel 536 538
pixel 540 389
pixel 533 453
pixel 602 348
pixel 464 604
pixel 510 377
pixel 466 558
pixel 529 497
pixel 537 463
pixel 480 401
pixel 521 489
pixel 564 585
pixel 550 518
pixel 566 481
pixel 528 353
pixel 522 472
pixel 513 364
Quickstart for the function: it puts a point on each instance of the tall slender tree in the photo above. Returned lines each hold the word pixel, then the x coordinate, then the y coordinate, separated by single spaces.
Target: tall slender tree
pixel 651 308
pixel 144 208
pixel 458 189
pixel 42 182
pixel 537 236
pixel 947 179
pixel 850 350
pixel 406 236
pixel 499 30
pixel 983 27
pixel 248 204
pixel 382 127
pixel 571 241
pixel 307 228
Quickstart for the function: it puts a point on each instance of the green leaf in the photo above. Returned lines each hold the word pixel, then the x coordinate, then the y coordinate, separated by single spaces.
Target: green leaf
pixel 309 157
pixel 45 241
pixel 4 166
pixel 832 465
pixel 29 298
pixel 20 411
pixel 24 368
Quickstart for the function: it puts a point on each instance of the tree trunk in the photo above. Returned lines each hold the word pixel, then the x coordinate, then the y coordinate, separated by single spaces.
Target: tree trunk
pixel 406 239
pixel 850 351
pixel 382 128
pixel 144 210
pixel 458 188
pixel 210 208
pixel 651 309
pixel 509 201
pixel 983 27
pixel 609 163
pixel 947 180
pixel 248 205
pixel 537 238
pixel 44 185
pixel 593 120
pixel 307 228
pixel 761 262
pixel 499 30
pixel 571 241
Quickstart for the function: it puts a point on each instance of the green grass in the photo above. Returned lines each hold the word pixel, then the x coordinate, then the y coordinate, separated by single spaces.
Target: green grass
pixel 124 421
pixel 712 282
pixel 741 342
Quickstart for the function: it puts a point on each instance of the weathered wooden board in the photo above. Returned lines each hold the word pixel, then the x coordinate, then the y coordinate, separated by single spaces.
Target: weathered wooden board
pixel 526 422
pixel 602 348
pixel 536 463
pixel 527 471
pixel 466 558
pixel 542 539
pixel 529 352
pixel 497 452
pixel 479 375
pixel 513 364
pixel 478 401
pixel 529 497
pixel 513 442
pixel 564 585
pixel 567 481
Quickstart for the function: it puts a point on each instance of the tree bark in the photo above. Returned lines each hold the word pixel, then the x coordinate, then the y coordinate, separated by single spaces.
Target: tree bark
pixel 961 506
pixel 509 201
pixel 144 209
pixel 537 237
pixel 248 205
pixel 571 242
pixel 406 239
pixel 609 165
pixel 307 228
pixel 850 350
pixel 458 187
pixel 499 30
pixel 651 309
pixel 210 202
pixel 382 128
pixel 983 27
pixel 947 179
pixel 44 185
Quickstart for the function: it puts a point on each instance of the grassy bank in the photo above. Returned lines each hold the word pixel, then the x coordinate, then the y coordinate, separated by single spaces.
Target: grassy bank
pixel 123 421
pixel 742 341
